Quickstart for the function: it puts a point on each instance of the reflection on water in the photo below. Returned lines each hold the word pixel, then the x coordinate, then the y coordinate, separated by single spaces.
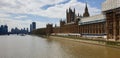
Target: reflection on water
pixel 14 46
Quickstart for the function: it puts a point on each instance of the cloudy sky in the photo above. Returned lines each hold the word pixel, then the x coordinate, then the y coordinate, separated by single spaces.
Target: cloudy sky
pixel 20 13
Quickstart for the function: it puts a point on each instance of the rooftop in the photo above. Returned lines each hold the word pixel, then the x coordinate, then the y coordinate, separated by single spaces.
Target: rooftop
pixel 110 4
pixel 93 18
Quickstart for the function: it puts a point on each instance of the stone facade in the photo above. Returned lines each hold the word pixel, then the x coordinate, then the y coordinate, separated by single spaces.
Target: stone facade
pixel 113 23
pixel 49 29
pixel 111 9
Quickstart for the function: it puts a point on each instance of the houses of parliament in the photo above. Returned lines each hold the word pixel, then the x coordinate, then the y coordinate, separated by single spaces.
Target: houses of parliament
pixel 106 24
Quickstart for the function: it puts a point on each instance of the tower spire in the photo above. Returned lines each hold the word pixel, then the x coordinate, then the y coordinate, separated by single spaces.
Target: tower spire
pixel 78 14
pixel 66 10
pixel 86 13
pixel 74 9
pixel 70 9
pixel 86 8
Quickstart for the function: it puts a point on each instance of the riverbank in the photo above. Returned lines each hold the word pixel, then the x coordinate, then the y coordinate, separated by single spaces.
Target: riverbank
pixel 89 41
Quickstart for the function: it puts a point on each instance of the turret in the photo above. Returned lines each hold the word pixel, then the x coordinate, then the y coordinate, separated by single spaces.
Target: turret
pixel 62 22
pixel 70 10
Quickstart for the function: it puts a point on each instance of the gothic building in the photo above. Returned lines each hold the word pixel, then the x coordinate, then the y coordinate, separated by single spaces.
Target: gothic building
pixel 106 24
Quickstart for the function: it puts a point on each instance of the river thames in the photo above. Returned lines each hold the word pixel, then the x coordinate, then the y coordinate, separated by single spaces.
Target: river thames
pixel 16 46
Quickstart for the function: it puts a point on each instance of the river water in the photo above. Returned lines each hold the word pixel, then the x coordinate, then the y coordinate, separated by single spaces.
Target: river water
pixel 16 46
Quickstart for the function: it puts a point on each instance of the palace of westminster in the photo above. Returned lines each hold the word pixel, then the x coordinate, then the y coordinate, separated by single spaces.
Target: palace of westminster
pixel 106 24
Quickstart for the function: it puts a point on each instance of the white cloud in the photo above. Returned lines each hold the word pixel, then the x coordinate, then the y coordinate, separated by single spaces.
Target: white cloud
pixel 3 15
pixel 19 17
pixel 34 7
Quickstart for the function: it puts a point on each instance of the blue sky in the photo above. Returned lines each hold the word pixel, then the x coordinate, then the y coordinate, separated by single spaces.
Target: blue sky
pixel 93 3
pixel 21 13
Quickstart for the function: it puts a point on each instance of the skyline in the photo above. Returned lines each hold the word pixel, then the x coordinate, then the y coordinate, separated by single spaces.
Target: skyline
pixel 20 13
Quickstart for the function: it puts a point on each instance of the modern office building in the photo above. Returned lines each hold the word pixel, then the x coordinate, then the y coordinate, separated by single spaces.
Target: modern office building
pixel 32 26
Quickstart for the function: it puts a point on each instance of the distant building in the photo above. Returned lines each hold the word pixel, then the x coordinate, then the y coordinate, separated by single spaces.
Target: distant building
pixel 19 31
pixel 3 29
pixel 32 26
pixel 27 30
pixel 49 29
